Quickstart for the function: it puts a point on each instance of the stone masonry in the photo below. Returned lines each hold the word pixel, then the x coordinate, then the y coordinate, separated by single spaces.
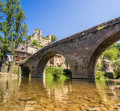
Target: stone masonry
pixel 81 50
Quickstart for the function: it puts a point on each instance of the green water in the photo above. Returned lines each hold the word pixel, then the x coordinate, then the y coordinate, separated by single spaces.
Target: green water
pixel 35 94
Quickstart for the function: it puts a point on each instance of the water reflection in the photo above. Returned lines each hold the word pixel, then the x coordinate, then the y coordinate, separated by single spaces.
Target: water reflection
pixel 36 94
pixel 107 91
pixel 58 88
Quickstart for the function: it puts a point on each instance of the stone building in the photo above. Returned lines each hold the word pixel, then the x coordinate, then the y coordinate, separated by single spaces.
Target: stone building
pixel 58 61
pixel 32 49
pixel 43 41
pixel 26 50
pixel 23 52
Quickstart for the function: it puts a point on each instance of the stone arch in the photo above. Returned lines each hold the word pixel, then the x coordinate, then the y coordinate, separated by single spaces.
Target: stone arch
pixel 25 71
pixel 44 59
pixel 103 44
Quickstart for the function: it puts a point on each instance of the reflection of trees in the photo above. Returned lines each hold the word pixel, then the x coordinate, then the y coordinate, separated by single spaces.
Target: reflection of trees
pixel 37 94
pixel 8 85
pixel 107 92
pixel 58 88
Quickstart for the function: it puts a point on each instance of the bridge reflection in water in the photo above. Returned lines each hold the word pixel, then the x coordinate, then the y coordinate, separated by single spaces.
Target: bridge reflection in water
pixel 24 94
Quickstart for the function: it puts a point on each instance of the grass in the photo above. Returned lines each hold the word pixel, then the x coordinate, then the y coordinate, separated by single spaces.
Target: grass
pixel 100 27
pixel 56 73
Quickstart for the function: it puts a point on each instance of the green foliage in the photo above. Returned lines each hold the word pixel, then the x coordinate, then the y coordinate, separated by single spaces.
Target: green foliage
pixel 111 54
pixel 67 72
pixel 35 43
pixel 116 64
pixel 53 38
pixel 104 75
pixel 46 38
pixel 1 54
pixel 12 26
pixel 99 74
pixel 99 65
pixel 109 75
pixel 100 27
pixel 20 27
pixel 58 72
pixel 115 45
pixel 29 37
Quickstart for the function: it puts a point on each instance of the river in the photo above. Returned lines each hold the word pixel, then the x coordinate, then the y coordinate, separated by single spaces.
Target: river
pixel 26 94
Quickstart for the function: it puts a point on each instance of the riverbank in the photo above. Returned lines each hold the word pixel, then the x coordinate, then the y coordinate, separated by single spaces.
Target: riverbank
pixel 5 74
pixel 57 73
pixel 11 70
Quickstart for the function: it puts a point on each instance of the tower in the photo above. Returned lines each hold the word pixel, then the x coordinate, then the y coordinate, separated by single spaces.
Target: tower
pixel 49 36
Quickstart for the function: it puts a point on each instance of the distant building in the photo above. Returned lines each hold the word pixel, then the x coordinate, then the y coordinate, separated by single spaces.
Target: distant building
pixel 43 41
pixel 26 50
pixel 20 53
pixel 57 61
pixel 23 51
pixel 32 49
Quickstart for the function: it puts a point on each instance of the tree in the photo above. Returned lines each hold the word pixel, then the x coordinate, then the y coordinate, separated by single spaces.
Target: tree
pixel 53 38
pixel 116 64
pixel 12 22
pixel 13 29
pixel 20 26
pixel 111 53
pixel 35 42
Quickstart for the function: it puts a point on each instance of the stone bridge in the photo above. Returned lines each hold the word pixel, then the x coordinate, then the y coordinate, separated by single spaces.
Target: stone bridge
pixel 81 50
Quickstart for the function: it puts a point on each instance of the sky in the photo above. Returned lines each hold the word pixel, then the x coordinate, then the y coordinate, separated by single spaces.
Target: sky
pixel 66 17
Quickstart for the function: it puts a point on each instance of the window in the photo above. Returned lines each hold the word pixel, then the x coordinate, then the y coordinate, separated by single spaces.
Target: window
pixel 22 49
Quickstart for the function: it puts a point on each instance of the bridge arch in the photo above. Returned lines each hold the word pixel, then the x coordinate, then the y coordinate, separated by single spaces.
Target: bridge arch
pixel 81 50
pixel 25 71
pixel 45 58
pixel 102 44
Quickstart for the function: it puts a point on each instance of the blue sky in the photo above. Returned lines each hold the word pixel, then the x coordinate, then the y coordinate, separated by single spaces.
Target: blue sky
pixel 66 17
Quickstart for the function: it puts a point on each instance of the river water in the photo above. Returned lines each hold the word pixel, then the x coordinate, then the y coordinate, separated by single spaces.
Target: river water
pixel 25 94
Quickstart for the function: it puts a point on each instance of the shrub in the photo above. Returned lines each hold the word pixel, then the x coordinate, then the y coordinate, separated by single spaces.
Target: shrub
pixel 99 65
pixel 100 27
pixel 109 75
pixel 53 38
pixel 67 72
pixel 35 42
pixel 57 72
pixel 99 74
pixel 116 64
pixel 104 75
pixel 111 53
pixel 46 38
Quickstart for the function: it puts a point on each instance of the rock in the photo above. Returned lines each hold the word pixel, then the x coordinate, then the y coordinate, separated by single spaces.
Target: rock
pixel 93 109
pixel 107 65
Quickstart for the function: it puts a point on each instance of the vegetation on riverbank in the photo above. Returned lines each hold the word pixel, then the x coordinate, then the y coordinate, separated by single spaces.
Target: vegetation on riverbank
pixel 57 73
pixel 9 69
pixel 113 55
